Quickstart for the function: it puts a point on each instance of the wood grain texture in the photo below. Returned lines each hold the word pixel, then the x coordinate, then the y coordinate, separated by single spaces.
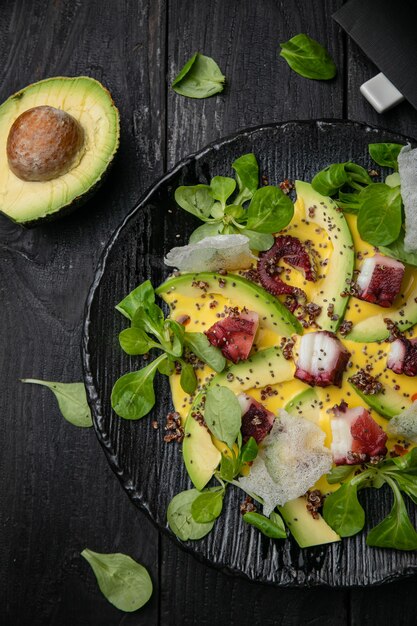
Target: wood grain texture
pixel 60 495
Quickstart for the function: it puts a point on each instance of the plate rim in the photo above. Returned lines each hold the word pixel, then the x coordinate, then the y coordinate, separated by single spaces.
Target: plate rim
pixel 93 398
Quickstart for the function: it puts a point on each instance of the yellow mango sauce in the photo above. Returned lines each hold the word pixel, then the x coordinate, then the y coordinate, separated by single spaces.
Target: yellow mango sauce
pixel 204 311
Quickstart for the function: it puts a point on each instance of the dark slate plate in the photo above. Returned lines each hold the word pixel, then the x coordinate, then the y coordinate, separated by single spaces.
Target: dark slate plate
pixel 152 471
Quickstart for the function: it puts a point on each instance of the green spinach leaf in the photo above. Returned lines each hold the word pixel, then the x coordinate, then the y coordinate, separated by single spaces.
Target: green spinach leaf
pixel 124 583
pixel 396 530
pixel 143 295
pixel 72 400
pixel 349 202
pixel 340 473
pixel 247 176
pixel 380 217
pixel 135 341
pixel 133 394
pixel 196 199
pixel 272 527
pixel 221 189
pixel 270 210
pixel 385 154
pixel 308 58
pixel 258 241
pixel 188 380
pixel 396 251
pixel 343 512
pixel 202 348
pixel 208 506
pixel 209 229
pixel 180 518
pixel 200 77
pixel 329 180
pixel 249 451
pixel 223 414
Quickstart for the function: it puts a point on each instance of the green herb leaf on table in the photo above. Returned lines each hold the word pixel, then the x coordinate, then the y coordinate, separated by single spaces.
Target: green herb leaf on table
pixel 124 583
pixel 307 57
pixel 200 77
pixel 72 400
pixel 202 348
pixel 272 526
pixel 396 530
pixel 247 176
pixel 227 468
pixel 207 507
pixel 343 512
pixel 380 217
pixel 180 518
pixel 188 380
pixel 385 154
pixel 133 395
pixel 196 199
pixel 270 210
pixel 222 414
pixel 330 179
pixel 140 296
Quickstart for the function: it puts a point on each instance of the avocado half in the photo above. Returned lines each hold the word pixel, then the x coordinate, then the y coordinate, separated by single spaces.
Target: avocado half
pixel 89 106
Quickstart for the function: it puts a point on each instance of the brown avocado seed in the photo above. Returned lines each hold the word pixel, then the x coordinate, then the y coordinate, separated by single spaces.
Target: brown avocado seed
pixel 43 143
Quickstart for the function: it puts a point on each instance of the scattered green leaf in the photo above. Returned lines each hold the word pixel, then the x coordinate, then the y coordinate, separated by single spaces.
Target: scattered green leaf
pixel 200 77
pixel 188 380
pixel 72 400
pixel 208 506
pixel 307 57
pixel 343 512
pixel 196 199
pixel 270 210
pixel 202 348
pixel 124 583
pixel 380 217
pixel 247 176
pixel 140 296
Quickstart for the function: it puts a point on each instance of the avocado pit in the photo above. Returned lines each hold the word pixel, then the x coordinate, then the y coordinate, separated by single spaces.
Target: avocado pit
pixel 44 143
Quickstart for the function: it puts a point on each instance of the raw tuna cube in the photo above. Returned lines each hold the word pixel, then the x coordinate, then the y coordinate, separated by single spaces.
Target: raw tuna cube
pixel 380 280
pixel 234 335
pixel 322 359
pixel 356 436
pixel 257 421
pixel 402 358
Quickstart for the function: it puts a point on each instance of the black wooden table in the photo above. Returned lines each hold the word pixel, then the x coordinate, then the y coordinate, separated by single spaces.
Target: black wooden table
pixel 57 493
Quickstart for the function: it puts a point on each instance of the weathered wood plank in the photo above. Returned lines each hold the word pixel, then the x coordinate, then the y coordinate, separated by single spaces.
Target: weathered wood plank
pixel 58 494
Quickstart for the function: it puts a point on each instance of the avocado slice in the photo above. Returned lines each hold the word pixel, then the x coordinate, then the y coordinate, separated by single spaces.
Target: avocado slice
pixel 328 216
pixel 374 328
pixel 306 530
pixel 201 456
pixel 389 403
pixel 273 315
pixel 305 404
pixel 87 106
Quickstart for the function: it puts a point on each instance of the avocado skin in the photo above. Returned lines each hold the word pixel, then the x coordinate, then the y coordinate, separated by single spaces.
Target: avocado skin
pixel 78 201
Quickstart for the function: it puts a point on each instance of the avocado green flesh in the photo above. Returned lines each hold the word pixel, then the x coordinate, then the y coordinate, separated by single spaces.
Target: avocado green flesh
pixel 306 530
pixel 340 268
pixel 374 328
pixel 201 457
pixel 305 404
pixel 243 293
pixel 388 404
pixel 92 106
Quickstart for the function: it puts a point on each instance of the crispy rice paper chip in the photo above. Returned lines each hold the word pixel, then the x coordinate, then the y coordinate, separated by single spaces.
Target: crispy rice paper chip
pixel 221 252
pixel 407 167
pixel 290 461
